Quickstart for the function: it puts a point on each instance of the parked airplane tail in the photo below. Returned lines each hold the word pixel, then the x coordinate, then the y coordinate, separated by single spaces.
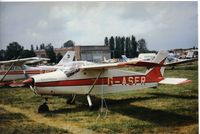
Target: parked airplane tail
pixel 157 73
pixel 68 57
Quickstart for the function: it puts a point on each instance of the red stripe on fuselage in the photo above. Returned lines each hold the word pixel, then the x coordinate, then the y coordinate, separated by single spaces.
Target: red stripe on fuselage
pixel 100 81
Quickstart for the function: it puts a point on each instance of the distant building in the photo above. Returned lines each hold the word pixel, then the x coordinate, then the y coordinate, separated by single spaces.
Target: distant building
pixel 62 51
pixel 94 53
pixel 88 53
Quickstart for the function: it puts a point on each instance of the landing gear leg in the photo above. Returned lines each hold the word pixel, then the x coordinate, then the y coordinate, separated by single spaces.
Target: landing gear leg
pixel 91 107
pixel 44 107
pixel 71 100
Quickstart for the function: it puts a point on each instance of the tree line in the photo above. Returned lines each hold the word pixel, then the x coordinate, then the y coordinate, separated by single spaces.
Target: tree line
pixel 125 46
pixel 15 51
pixel 118 46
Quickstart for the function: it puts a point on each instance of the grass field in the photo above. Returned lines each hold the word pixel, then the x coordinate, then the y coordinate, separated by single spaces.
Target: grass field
pixel 166 109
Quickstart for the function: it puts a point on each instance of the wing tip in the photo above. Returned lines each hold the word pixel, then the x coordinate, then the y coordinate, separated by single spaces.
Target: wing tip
pixel 185 82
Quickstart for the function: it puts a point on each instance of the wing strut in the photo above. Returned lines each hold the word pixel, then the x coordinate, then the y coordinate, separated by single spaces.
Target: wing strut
pixel 7 72
pixel 92 87
pixel 94 83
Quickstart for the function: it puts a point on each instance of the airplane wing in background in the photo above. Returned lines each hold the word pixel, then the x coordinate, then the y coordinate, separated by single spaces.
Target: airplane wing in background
pixel 147 64
pixel 36 60
pixel 19 62
pixel 180 62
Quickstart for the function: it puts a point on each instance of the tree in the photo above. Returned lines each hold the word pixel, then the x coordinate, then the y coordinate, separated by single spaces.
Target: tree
pixel 32 52
pixel 122 45
pixel 50 53
pixel 32 47
pixel 69 43
pixel 134 46
pixel 27 53
pixel 37 47
pixel 142 46
pixel 106 41
pixel 127 44
pixel 117 47
pixel 58 57
pixel 13 50
pixel 42 46
pixel 2 55
pixel 112 46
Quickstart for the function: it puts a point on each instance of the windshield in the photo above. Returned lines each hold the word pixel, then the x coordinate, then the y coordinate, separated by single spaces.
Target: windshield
pixel 72 68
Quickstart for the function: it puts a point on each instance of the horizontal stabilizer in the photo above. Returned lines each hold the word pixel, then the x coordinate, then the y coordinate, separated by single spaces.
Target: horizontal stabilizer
pixel 174 81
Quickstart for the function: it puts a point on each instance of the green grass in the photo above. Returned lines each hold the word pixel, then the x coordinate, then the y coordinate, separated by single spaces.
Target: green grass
pixel 17 123
pixel 166 109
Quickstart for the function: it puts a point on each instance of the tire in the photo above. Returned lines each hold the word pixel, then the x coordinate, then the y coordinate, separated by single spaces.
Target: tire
pixel 43 108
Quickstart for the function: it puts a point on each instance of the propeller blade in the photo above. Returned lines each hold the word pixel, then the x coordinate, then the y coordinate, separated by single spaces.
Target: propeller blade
pixel 28 81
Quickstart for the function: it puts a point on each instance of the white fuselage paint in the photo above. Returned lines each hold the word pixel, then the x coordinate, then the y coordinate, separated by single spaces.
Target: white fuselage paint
pixel 133 81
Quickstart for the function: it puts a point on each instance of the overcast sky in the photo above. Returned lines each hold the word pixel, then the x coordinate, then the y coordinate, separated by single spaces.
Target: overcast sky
pixel 164 25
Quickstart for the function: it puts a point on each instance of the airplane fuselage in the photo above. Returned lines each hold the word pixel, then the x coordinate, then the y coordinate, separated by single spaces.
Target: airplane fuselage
pixel 110 81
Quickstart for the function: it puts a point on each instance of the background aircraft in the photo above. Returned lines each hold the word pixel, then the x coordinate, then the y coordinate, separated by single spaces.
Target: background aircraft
pixel 141 57
pixel 82 77
pixel 17 69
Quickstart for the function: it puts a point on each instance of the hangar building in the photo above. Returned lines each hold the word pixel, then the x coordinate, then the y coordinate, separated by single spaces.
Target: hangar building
pixel 89 53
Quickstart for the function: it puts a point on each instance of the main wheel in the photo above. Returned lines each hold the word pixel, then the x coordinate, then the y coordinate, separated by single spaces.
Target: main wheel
pixel 43 108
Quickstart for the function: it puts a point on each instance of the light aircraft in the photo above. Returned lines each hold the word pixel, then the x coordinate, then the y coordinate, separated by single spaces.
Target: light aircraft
pixel 141 57
pixel 19 71
pixel 86 78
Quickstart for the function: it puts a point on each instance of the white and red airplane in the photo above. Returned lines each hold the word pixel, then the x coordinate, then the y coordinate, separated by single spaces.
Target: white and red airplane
pixel 17 69
pixel 86 78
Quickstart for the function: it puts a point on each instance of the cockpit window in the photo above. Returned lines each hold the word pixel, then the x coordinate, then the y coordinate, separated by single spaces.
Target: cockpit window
pixel 74 67
pixel 71 71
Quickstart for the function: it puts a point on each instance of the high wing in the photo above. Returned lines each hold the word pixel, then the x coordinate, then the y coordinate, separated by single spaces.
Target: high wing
pixel 158 61
pixel 36 60
pixel 134 63
pixel 137 63
pixel 122 64
pixel 18 62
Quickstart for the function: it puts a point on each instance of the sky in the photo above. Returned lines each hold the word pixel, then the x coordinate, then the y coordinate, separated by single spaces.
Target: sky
pixel 164 25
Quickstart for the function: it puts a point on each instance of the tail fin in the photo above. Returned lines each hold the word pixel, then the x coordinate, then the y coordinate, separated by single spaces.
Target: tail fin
pixel 156 73
pixel 104 59
pixel 69 56
pixel 161 56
